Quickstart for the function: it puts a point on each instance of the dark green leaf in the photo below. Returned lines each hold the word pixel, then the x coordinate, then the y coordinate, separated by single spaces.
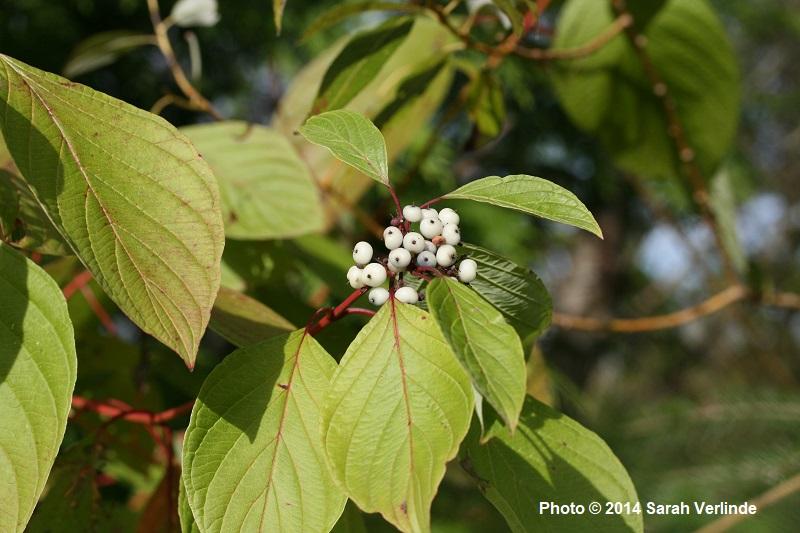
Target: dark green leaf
pixel 103 49
pixel 244 321
pixel 341 11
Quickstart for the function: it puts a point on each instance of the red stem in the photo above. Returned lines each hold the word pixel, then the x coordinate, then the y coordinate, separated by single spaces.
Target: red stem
pixel 359 311
pixel 334 314
pixel 99 310
pixel 75 284
pixel 396 201
pixel 431 202
pixel 137 416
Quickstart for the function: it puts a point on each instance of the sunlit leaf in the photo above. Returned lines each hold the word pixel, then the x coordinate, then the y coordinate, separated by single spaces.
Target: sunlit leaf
pixel 188 525
pixel 253 458
pixel 243 320
pixel 339 12
pixel 37 376
pixel 277 12
pixel 398 406
pixel 130 194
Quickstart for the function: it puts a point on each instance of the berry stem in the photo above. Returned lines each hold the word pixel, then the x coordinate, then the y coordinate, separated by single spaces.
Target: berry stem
pixel 431 202
pixel 359 311
pixel 331 315
pixel 396 201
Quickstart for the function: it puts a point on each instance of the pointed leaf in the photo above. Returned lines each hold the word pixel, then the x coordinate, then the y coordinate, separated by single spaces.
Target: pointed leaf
pixel 253 457
pixel 486 345
pixel 550 458
pixel 37 377
pixel 103 49
pixel 277 12
pixel 398 407
pixel 532 195
pixel 130 194
pixel 359 62
pixel 243 321
pixel 351 138
pixel 267 191
pixel 339 12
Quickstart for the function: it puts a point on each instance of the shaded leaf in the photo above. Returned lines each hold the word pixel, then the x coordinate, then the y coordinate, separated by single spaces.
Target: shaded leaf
pixel 9 205
pixel 277 12
pixel 550 458
pixel 532 195
pixel 397 408
pixel 411 88
pixel 252 455
pixel 359 62
pixel 267 191
pixel 486 107
pixel 130 194
pixel 37 377
pixel 244 321
pixel 351 138
pixel 103 49
pixel 486 345
pixel 337 13
pixel 723 204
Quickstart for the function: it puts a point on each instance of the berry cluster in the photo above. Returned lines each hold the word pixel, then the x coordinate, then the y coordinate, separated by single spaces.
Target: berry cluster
pixel 430 250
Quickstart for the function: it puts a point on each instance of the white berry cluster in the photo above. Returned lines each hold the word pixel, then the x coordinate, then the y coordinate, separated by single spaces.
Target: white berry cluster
pixel 431 249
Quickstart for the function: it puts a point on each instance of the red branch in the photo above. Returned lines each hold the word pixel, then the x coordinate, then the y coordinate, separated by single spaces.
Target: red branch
pixel 79 281
pixel 332 315
pixel 121 411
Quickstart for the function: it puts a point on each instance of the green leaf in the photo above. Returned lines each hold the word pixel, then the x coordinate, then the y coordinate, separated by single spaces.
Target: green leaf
pixel 359 62
pixel 103 49
pixel 244 321
pixel 129 193
pixel 341 11
pixel 486 345
pixel 723 205
pixel 267 191
pixel 351 138
pixel 609 95
pixel 9 205
pixel 486 107
pixel 398 406
pixel 37 376
pixel 253 457
pixel 409 91
pixel 532 195
pixel 515 291
pixel 188 525
pixel 509 8
pixel 277 12
pixel 550 458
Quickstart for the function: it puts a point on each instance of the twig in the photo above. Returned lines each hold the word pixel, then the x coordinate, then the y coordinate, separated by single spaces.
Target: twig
pixel 619 25
pixel 137 416
pixel 98 309
pixel 332 315
pixel 76 283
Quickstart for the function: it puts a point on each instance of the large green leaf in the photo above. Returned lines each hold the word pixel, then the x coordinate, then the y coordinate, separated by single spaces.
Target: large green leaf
pixel 351 138
pixel 359 62
pixel 267 191
pixel 244 321
pixel 398 406
pixel 483 341
pixel 253 458
pixel 188 525
pixel 129 193
pixel 532 195
pixel 607 93
pixel 37 376
pixel 550 458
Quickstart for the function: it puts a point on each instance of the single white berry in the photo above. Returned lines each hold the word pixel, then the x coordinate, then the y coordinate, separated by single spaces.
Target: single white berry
pixel 407 295
pixel 354 277
pixel 448 216
pixel 412 213
pixel 400 258
pixel 430 213
pixel 431 227
pixel 467 270
pixel 373 274
pixel 430 247
pixel 378 296
pixel 392 238
pixel 446 255
pixel 362 253
pixel 451 234
pixel 414 242
pixel 426 259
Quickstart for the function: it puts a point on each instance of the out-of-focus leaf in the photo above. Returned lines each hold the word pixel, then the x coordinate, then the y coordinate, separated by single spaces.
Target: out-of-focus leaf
pixel 515 291
pixel 253 453
pixel 486 107
pixel 512 11
pixel 539 385
pixel 550 458
pixel 723 204
pixel 486 345
pixel 411 88
pixel 243 320
pixel 9 205
pixel 399 404
pixel 643 11
pixel 160 514
pixel 532 195
pixel 267 191
pixel 608 94
pixel 103 49
pixel 129 193
pixel 37 377
pixel 351 138
pixel 277 12
pixel 358 63
pixel 341 11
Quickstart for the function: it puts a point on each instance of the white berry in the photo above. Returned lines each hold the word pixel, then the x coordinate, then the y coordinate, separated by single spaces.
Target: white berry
pixel 412 213
pixel 378 296
pixel 451 234
pixel 446 255
pixel 448 216
pixel 354 277
pixel 400 258
pixel 426 259
pixel 362 253
pixel 414 242
pixel 392 238
pixel 431 227
pixel 407 295
pixel 430 247
pixel 467 270
pixel 373 274
pixel 430 213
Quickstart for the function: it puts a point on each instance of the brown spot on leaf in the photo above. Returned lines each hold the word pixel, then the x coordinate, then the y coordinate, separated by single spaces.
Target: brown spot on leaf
pixel 404 508
pixel 283 386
